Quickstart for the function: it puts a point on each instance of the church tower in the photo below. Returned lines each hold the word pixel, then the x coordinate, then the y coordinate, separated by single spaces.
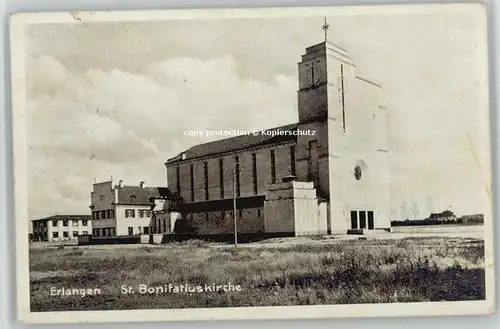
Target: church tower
pixel 342 144
pixel 325 73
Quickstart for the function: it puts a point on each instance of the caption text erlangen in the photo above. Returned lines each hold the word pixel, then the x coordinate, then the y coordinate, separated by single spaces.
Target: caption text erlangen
pixel 148 289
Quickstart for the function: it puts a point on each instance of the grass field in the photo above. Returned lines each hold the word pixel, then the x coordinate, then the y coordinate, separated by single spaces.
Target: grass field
pixel 337 272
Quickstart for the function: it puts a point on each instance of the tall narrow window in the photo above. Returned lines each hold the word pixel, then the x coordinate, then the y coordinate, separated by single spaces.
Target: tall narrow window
pixel 221 178
pixel 178 180
pixel 205 174
pixel 237 174
pixel 254 172
pixel 191 174
pixel 342 91
pixel 273 167
pixel 354 219
pixel 371 223
pixel 362 219
pixel 313 163
pixel 292 160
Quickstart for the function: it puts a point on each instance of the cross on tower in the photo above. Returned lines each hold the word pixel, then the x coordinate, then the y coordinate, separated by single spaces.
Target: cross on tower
pixel 325 28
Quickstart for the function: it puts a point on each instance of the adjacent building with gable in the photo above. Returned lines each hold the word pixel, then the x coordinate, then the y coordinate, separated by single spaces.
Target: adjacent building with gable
pixel 120 210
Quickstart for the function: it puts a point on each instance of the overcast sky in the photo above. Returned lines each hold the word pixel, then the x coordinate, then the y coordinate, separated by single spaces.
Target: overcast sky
pixel 114 99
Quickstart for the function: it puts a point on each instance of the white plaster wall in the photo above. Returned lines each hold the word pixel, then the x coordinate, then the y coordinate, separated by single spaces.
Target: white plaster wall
pixel 60 229
pixel 306 216
pixel 174 216
pixel 363 143
pixel 323 217
pixel 122 223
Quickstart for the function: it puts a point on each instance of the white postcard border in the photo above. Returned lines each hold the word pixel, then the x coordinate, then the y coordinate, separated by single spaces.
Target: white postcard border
pixel 17 36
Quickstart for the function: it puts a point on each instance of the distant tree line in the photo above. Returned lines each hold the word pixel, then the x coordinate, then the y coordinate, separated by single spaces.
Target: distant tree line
pixel 442 218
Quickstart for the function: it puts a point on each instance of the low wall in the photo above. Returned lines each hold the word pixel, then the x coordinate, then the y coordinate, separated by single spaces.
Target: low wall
pixel 227 237
pixel 145 238
pixel 90 240
pixel 156 238
pixel 165 238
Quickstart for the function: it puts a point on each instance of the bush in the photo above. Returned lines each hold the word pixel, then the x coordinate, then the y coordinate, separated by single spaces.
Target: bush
pixel 434 219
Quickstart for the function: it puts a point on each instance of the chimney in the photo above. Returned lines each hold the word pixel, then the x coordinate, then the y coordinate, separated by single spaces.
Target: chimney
pixel 141 184
pixel 120 183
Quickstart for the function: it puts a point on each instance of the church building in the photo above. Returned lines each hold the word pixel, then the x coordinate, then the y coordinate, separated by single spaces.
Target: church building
pixel 327 173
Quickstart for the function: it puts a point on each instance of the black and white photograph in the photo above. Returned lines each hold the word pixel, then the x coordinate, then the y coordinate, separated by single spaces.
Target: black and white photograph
pixel 252 163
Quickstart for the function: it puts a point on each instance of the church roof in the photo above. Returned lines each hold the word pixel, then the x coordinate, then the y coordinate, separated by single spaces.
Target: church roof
pixel 236 143
pixel 136 195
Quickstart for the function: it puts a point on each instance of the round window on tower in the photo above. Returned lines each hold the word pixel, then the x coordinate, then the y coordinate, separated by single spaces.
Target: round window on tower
pixel 358 172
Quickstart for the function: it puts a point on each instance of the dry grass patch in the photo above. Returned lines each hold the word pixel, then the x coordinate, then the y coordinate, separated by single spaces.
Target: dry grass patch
pixel 341 272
